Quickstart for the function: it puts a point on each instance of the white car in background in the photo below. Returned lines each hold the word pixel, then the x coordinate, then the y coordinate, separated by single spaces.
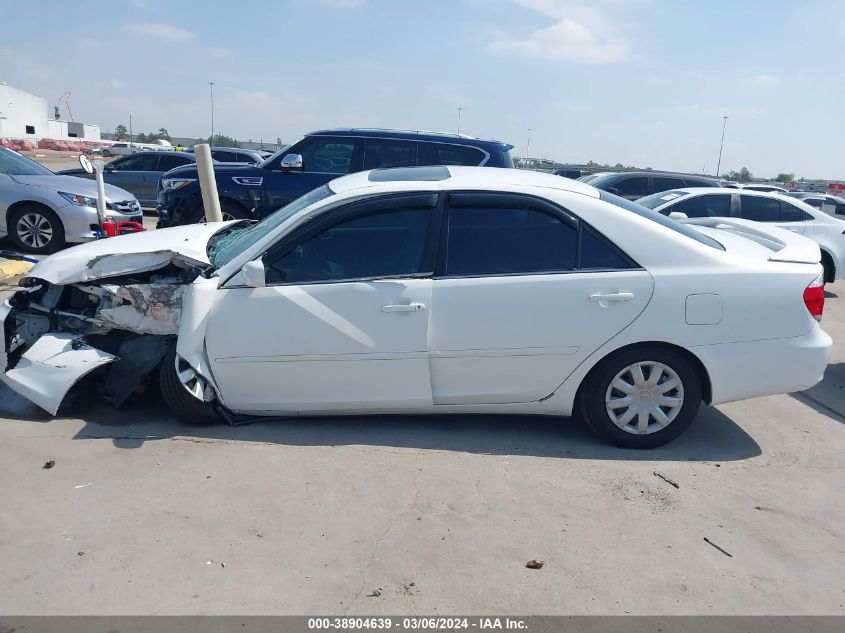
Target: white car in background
pixel 772 209
pixel 432 290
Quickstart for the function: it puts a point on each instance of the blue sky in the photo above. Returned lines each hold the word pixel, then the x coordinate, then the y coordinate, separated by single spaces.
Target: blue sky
pixel 643 82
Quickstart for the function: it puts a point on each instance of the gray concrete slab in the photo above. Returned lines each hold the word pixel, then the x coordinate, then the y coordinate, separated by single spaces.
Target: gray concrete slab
pixel 439 515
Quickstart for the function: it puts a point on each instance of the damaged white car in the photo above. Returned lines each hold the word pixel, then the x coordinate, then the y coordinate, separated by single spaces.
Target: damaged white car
pixel 431 290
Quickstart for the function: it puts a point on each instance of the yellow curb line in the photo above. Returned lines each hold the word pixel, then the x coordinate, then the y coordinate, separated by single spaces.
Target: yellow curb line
pixel 13 268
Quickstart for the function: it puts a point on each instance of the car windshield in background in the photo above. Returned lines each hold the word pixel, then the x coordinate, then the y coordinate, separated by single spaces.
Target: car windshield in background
pixel 669 223
pixel 659 199
pixel 13 164
pixel 235 239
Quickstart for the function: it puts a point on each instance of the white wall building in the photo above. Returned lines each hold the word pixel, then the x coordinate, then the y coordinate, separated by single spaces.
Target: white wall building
pixel 25 116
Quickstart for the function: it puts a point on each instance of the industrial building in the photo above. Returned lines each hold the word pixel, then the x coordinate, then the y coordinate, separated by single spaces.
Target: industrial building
pixel 27 117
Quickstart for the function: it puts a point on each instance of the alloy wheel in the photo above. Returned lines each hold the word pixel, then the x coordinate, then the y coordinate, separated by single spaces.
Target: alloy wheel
pixel 193 383
pixel 34 230
pixel 644 398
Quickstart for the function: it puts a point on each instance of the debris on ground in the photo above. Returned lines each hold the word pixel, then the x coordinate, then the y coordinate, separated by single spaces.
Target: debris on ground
pixel 711 543
pixel 49 464
pixel 375 594
pixel 666 479
pixel 82 486
pixel 80 553
pixel 535 564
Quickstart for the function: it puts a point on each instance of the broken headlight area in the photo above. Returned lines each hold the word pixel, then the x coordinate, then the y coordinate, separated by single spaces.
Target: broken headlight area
pixel 113 331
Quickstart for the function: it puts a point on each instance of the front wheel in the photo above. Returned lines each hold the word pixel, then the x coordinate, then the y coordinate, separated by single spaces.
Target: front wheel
pixel 642 398
pixel 185 392
pixel 228 210
pixel 36 229
pixel 106 153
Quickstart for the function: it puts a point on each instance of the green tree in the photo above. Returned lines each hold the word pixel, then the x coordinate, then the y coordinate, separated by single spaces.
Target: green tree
pixel 221 140
pixel 120 132
pixel 162 133
pixel 141 138
pixel 743 175
pixel 785 178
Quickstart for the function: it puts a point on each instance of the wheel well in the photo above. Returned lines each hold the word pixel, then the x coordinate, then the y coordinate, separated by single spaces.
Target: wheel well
pixel 24 203
pixel 829 267
pixel 706 389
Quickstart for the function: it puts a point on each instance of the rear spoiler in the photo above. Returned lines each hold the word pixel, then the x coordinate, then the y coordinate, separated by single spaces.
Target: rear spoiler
pixel 786 246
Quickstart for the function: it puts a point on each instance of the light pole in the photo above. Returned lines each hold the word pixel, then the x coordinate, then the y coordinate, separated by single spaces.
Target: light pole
pixel 528 145
pixel 459 120
pixel 211 88
pixel 721 144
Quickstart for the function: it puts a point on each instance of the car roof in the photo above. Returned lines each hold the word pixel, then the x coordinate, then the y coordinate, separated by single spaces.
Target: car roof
pixel 659 174
pixel 457 177
pixel 417 135
pixel 731 190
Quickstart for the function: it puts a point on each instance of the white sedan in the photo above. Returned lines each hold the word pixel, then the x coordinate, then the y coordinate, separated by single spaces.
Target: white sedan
pixel 775 210
pixel 431 290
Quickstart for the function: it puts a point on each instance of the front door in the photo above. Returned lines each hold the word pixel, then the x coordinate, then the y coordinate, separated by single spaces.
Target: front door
pixel 136 174
pixel 517 305
pixel 771 209
pixel 324 158
pixel 342 324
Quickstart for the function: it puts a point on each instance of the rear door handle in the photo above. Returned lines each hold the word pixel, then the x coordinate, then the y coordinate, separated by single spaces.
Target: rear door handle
pixel 403 307
pixel 612 296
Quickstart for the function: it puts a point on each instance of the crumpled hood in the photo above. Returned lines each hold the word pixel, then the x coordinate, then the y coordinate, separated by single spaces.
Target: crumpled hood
pixel 127 254
pixel 72 184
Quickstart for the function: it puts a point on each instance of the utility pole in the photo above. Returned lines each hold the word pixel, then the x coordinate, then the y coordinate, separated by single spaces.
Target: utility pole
pixel 721 144
pixel 459 120
pixel 528 145
pixel 211 87
pixel 130 130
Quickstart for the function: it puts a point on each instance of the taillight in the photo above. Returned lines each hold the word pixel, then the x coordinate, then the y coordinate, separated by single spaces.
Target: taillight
pixel 814 297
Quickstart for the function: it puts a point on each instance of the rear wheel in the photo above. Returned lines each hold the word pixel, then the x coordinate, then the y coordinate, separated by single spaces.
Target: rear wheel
pixel 106 153
pixel 829 268
pixel 642 398
pixel 36 229
pixel 185 392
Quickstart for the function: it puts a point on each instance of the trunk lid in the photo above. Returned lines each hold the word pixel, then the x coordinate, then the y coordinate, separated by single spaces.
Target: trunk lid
pixel 745 237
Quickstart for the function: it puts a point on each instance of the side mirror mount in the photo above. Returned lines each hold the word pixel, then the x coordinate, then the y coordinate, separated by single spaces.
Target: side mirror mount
pixel 253 274
pixel 291 162
pixel 677 215
pixel 108 167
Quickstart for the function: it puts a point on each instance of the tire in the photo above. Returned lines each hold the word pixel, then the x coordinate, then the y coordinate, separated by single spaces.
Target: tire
pixel 829 269
pixel 230 211
pixel 683 400
pixel 32 224
pixel 106 153
pixel 187 408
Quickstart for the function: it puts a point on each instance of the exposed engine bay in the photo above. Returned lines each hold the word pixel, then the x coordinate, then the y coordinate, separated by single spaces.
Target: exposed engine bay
pixel 117 329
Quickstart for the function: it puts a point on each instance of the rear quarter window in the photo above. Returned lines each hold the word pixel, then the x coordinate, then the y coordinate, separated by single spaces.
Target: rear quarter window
pixel 446 154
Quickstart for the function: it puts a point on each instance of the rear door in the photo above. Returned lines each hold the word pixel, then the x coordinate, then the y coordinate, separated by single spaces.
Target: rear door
pixel 665 183
pixel 631 187
pixel 772 209
pixel 517 304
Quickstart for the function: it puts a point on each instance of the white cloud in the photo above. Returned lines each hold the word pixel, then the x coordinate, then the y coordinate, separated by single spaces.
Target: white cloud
pixel 580 33
pixel 765 80
pixel 162 31
pixel 218 52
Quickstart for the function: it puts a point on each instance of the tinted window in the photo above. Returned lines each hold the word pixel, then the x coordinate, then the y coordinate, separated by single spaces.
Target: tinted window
pixel 443 154
pixel 328 155
pixel 224 156
pixel 381 244
pixel 710 206
pixel 636 186
pixel 760 208
pixel 790 213
pixel 137 162
pixel 664 184
pixel 669 223
pixel 597 252
pixel 166 163
pixel 383 153
pixel 485 240
pixel 813 202
pixel 692 182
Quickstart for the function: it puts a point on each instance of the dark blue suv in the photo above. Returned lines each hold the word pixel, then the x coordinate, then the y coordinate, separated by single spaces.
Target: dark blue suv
pixel 255 191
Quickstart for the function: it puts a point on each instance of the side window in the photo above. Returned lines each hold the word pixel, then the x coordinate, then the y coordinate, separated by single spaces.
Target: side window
pixel 790 213
pixel 380 153
pixel 328 155
pixel 636 186
pixel 224 156
pixel 137 162
pixel 690 182
pixel 665 184
pixel 710 206
pixel 445 154
pixel 384 243
pixel 598 252
pixel 506 237
pixel 814 202
pixel 166 163
pixel 760 208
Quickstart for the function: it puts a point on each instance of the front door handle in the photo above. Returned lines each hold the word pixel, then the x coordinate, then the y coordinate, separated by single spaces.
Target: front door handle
pixel 403 307
pixel 612 296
